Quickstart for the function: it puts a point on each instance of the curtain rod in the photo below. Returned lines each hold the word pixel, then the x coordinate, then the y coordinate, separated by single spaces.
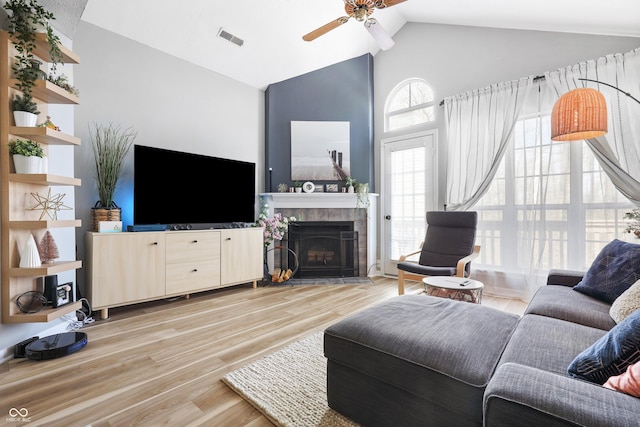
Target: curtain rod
pixel 536 78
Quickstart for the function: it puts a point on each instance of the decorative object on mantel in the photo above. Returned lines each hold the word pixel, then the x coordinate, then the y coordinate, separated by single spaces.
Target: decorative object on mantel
pixel 298 186
pixel 320 150
pixel 47 248
pixel 331 188
pixel 110 147
pixel 634 227
pixel 49 205
pixel 308 187
pixel 283 188
pixel 581 114
pixel 29 257
pixel 27 156
pixel 350 184
pixel 362 195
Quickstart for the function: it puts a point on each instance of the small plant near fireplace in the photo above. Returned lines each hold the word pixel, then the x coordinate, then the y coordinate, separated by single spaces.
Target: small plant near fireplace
pixel 274 228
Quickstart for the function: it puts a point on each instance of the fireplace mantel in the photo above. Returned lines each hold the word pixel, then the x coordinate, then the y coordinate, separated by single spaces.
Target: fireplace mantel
pixel 343 206
pixel 316 200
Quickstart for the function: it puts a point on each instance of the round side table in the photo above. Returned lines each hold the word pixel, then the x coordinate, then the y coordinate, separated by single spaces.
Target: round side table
pixel 455 288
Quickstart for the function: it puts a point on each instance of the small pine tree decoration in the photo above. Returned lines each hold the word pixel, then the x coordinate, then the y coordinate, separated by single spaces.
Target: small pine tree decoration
pixel 47 248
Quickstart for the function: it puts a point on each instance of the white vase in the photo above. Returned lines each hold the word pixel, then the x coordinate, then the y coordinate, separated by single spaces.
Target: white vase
pixel 25 119
pixel 27 164
pixel 30 257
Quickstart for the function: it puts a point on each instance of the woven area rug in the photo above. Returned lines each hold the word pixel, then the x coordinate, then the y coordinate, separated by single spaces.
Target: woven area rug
pixel 289 386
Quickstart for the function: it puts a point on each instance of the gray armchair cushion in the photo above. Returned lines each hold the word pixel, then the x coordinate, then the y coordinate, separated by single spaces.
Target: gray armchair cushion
pixel 450 236
pixel 427 270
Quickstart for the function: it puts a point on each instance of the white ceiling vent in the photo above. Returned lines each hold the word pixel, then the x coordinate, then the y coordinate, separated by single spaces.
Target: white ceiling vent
pixel 230 37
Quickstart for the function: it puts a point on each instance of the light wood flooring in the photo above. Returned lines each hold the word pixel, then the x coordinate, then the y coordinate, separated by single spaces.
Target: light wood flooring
pixel 161 363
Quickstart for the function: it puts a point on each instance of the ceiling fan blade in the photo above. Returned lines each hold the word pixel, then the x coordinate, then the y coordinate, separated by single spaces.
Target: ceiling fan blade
pixel 379 34
pixel 325 29
pixel 381 4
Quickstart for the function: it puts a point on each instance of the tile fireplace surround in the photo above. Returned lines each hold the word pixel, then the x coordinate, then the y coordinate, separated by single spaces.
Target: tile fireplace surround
pixel 332 207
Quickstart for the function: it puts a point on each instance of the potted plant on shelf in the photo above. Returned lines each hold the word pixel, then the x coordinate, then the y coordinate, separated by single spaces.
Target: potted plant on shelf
pixel 25 111
pixel 110 146
pixel 27 156
pixel 26 19
pixel 298 186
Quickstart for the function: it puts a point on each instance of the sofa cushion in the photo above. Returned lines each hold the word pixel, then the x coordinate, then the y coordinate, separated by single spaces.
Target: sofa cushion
pixel 611 354
pixel 440 351
pixel 628 382
pixel 562 302
pixel 548 344
pixel 626 303
pixel 521 396
pixel 614 270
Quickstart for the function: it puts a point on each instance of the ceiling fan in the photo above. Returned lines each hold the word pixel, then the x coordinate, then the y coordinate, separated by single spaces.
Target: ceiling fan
pixel 361 10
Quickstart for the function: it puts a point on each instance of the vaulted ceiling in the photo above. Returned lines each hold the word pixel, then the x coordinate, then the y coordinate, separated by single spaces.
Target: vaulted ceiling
pixel 273 49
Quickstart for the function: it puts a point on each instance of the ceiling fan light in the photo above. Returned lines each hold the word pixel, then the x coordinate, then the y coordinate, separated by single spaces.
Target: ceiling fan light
pixel 579 114
pixel 379 34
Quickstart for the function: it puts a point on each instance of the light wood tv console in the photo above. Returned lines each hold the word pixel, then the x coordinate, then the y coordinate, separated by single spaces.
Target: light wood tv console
pixel 126 268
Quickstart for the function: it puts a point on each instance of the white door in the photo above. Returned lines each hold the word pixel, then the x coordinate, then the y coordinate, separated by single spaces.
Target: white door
pixel 409 190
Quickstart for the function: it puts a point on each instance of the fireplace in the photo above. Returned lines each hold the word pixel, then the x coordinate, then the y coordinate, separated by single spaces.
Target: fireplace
pixel 331 208
pixel 324 249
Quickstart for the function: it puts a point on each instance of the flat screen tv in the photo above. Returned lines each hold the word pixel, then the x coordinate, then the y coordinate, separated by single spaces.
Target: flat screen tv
pixel 183 190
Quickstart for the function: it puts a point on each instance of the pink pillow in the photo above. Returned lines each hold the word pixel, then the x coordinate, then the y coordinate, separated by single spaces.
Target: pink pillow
pixel 627 382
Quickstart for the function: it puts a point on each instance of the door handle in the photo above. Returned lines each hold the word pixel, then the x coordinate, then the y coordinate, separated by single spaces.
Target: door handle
pixel 387 217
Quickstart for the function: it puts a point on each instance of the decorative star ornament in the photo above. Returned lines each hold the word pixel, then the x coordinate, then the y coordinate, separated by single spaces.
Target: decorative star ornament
pixel 49 205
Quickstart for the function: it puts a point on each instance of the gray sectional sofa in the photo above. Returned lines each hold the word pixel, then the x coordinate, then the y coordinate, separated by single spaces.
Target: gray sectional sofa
pixel 417 360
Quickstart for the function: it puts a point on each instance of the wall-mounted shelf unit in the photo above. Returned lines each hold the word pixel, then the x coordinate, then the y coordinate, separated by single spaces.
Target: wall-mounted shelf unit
pixel 17 222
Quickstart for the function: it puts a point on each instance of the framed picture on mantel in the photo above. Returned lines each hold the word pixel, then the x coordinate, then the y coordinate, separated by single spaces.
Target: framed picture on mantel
pixel 320 151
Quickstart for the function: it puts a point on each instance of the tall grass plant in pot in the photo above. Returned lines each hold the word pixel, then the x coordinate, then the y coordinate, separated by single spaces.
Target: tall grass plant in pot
pixel 110 145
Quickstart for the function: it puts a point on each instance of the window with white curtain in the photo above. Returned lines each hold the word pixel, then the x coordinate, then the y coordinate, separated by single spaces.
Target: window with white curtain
pixel 409 104
pixel 552 193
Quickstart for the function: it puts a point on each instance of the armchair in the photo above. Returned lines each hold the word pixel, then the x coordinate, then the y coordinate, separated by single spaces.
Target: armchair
pixel 448 248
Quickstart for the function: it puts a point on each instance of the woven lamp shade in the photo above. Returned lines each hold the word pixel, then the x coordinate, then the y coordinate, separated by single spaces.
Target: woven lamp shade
pixel 579 114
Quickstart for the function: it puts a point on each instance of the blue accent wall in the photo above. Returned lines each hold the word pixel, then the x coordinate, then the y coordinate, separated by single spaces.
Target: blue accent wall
pixel 340 92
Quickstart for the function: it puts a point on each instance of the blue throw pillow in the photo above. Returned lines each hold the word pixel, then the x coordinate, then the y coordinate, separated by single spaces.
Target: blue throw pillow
pixel 611 354
pixel 614 270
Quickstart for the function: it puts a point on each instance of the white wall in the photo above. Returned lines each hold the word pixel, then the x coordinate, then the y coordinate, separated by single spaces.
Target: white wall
pixel 454 59
pixel 171 104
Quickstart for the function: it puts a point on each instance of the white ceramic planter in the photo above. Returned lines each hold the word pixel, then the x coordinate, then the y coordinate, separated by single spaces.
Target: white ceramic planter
pixel 30 164
pixel 25 119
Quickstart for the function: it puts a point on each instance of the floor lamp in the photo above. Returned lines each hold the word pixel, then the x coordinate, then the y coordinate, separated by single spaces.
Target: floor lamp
pixel 581 114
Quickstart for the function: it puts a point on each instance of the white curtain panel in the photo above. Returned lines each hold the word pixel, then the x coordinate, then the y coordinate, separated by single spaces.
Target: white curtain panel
pixel 479 127
pixel 618 152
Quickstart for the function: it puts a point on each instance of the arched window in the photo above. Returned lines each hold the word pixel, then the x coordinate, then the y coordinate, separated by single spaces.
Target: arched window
pixel 410 103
